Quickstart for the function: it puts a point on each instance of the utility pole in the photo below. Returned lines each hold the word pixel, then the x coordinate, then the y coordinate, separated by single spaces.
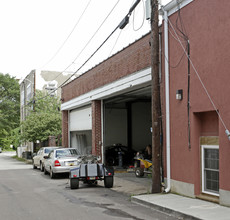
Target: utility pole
pixel 156 157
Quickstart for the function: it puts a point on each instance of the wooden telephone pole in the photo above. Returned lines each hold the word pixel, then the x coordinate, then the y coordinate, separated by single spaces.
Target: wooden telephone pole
pixel 156 157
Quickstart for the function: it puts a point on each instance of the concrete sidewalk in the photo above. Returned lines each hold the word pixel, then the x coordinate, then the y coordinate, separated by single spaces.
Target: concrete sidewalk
pixel 187 208
pixel 182 207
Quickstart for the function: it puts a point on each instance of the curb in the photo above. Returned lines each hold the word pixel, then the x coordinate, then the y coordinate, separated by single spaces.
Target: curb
pixel 169 211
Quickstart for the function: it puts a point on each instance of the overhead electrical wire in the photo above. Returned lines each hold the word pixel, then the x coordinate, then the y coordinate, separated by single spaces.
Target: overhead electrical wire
pixel 64 42
pixel 115 43
pixel 88 41
pixel 143 20
pixel 121 25
pixel 92 37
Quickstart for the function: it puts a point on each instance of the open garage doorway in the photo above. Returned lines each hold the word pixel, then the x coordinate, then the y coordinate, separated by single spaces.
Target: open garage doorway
pixel 127 126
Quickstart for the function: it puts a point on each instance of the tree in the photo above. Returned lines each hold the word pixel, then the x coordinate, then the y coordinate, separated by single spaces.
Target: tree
pixel 9 102
pixel 44 118
pixel 9 108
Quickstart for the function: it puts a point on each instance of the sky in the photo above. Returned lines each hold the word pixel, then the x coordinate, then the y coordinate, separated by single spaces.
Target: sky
pixel 60 35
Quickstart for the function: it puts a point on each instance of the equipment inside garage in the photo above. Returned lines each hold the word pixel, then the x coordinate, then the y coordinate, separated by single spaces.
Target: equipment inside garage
pixel 127 126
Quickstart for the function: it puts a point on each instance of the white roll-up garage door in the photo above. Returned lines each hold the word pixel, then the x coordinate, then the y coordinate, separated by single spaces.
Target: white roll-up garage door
pixel 81 119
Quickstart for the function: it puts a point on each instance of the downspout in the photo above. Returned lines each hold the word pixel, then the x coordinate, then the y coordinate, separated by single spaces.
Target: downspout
pixel 166 52
pixel 68 130
pixel 102 131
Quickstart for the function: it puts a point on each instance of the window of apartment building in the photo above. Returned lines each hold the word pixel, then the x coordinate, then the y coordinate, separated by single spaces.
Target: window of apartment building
pixel 28 91
pixel 210 169
pixel 22 98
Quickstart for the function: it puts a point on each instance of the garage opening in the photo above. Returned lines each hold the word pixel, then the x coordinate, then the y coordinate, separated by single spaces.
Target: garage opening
pixel 127 126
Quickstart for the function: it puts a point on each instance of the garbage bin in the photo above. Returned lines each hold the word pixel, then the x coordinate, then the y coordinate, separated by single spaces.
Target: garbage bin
pixel 27 155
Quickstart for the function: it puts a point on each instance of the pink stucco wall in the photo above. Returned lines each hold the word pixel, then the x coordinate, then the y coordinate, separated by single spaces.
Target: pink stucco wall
pixel 207 25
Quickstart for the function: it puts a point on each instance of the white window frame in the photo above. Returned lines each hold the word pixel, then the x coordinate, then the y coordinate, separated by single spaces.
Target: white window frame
pixel 203 147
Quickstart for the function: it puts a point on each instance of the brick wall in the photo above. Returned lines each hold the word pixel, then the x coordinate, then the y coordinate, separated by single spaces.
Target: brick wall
pixel 96 127
pixel 52 141
pixel 65 141
pixel 131 59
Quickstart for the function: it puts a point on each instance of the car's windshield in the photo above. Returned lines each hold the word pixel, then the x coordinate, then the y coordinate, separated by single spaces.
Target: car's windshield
pixel 47 150
pixel 66 153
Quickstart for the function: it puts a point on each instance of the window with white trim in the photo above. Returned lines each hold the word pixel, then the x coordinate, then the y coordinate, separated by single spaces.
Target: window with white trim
pixel 210 169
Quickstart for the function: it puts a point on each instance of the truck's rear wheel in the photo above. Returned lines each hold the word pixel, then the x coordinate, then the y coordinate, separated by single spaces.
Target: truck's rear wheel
pixel 108 181
pixel 74 183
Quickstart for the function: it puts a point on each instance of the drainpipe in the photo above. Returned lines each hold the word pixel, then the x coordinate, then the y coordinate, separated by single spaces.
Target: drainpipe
pixel 167 102
pixel 68 129
pixel 102 132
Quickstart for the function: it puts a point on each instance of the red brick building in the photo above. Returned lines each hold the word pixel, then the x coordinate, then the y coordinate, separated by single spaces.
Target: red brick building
pixel 111 103
pixel 107 91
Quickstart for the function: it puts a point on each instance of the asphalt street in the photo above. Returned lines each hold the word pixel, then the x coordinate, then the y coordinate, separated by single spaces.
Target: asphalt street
pixel 28 194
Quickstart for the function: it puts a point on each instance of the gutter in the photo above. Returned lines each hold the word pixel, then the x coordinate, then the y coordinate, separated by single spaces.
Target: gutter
pixel 166 52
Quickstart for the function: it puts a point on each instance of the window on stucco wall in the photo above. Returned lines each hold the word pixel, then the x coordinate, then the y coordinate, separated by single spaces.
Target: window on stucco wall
pixel 210 169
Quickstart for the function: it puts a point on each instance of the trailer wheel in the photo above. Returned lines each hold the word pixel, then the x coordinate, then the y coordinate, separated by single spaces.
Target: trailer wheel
pixel 139 172
pixel 74 183
pixel 108 181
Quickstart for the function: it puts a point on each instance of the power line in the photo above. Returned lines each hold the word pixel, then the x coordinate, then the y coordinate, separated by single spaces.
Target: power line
pixel 92 36
pixel 89 40
pixel 121 25
pixel 59 49
pixel 143 20
pixel 115 42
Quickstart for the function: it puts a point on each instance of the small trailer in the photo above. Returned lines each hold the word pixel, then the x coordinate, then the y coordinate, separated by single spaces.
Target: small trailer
pixel 90 173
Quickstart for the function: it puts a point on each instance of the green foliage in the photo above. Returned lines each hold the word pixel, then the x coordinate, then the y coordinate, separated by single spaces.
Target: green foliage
pixel 4 139
pixel 15 137
pixel 9 108
pixel 44 119
pixel 9 102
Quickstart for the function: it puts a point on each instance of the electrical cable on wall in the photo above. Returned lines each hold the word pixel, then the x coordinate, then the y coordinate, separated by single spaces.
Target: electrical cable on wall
pixel 199 78
pixel 183 35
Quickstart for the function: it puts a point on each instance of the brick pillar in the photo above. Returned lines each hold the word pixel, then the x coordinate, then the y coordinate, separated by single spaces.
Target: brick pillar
pixel 65 130
pixel 52 141
pixel 96 127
